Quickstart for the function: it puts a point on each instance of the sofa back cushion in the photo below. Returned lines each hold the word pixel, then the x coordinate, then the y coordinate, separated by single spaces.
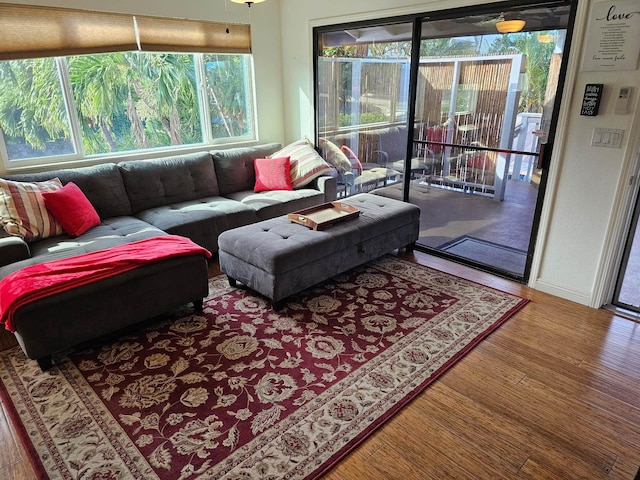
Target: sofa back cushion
pixel 234 167
pixel 163 181
pixel 101 184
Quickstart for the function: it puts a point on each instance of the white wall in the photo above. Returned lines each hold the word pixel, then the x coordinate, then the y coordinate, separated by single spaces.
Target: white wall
pixel 583 215
pixel 265 28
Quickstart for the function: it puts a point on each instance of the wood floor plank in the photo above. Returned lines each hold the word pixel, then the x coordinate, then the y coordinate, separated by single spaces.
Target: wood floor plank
pixel 409 444
pixel 535 408
pixel 535 471
pixel 512 440
pixel 471 457
pixel 14 463
pixel 360 465
pixel 511 444
pixel 9 448
pixel 625 468
pixel 579 341
pixel 599 389
pixel 18 471
pixel 376 458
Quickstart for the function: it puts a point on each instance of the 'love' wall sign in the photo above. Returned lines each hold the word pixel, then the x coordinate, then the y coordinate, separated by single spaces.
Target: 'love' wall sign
pixel 613 36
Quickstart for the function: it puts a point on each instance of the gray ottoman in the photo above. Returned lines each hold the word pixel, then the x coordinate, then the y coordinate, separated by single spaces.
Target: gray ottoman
pixel 278 258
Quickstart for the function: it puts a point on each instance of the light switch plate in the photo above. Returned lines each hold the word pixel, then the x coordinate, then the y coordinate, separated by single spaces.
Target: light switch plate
pixel 607 137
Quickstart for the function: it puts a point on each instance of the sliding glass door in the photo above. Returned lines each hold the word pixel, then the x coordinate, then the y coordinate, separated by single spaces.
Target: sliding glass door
pixel 483 108
pixel 450 114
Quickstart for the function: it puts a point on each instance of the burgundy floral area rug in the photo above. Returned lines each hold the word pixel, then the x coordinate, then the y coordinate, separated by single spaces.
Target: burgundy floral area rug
pixel 243 392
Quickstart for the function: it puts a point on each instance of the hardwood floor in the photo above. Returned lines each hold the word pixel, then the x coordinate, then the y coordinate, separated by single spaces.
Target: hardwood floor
pixel 554 393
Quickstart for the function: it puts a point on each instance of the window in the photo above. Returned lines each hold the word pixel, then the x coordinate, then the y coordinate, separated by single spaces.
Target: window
pixel 122 102
pixel 362 98
pixel 33 115
pixel 108 86
pixel 228 99
pixel 364 91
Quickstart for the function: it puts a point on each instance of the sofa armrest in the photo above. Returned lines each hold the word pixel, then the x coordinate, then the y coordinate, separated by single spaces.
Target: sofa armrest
pixel 12 249
pixel 327 185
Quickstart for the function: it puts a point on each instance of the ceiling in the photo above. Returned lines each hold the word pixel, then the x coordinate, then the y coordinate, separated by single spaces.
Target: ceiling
pixel 538 18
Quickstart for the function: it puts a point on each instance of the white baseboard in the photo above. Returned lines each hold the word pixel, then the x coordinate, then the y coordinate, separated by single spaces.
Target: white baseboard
pixel 583 298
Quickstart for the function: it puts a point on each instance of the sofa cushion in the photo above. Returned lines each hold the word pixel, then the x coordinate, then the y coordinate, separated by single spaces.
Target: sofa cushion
pixel 161 181
pixel 72 209
pixel 279 202
pixel 201 220
pixel 102 184
pixel 23 211
pixel 234 167
pixel 112 231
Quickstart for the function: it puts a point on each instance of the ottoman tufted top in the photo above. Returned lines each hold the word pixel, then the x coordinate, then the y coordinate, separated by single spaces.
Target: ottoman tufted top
pixel 278 245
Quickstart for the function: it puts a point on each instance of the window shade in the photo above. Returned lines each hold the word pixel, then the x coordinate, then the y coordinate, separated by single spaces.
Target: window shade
pixel 28 31
pixel 176 35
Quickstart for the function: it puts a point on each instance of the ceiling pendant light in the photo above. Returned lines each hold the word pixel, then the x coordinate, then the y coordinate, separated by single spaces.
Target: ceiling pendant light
pixel 509 26
pixel 546 38
pixel 249 3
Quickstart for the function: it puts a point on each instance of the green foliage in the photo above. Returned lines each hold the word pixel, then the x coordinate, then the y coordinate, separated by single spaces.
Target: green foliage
pixel 31 102
pixel 124 101
pixel 447 47
pixel 346 119
pixel 342 51
pixel 134 100
pixel 538 59
pixel 228 102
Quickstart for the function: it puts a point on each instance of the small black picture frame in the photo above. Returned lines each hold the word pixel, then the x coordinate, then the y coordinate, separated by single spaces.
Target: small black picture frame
pixel 591 99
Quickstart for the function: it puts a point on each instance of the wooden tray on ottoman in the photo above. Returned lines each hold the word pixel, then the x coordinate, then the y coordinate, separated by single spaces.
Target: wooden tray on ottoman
pixel 325 215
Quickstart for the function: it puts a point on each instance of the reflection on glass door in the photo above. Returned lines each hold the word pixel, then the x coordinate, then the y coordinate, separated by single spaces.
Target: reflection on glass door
pixel 362 97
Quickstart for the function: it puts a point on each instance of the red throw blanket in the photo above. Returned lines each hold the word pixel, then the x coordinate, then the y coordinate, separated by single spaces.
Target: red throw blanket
pixel 48 278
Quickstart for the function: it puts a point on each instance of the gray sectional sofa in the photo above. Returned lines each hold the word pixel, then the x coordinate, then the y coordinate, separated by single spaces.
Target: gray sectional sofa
pixel 197 195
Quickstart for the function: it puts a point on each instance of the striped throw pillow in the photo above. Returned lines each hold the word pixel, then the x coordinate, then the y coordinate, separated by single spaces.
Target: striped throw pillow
pixel 23 212
pixel 306 164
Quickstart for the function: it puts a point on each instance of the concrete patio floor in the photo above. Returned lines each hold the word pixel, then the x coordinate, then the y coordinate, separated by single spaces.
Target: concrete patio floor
pixel 447 214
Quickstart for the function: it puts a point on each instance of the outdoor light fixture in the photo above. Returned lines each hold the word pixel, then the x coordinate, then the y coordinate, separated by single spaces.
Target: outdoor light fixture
pixel 249 3
pixel 509 26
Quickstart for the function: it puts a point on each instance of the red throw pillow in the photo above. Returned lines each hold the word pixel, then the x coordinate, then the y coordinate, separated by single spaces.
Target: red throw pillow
pixel 272 174
pixel 72 209
pixel 436 134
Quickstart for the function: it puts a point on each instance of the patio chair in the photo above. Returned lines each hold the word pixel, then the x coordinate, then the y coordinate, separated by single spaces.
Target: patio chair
pixel 392 151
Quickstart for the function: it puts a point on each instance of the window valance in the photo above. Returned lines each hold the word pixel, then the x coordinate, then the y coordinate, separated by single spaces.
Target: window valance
pixel 28 31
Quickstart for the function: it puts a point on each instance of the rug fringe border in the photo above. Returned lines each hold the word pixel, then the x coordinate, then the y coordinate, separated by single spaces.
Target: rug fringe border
pixel 17 426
